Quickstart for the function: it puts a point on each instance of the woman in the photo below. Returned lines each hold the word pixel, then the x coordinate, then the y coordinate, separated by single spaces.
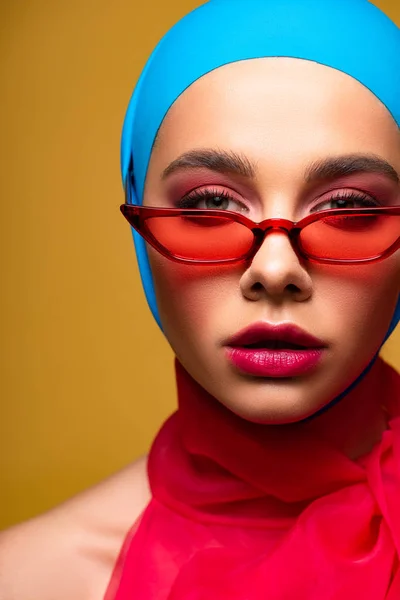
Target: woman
pixel 279 475
pixel 265 482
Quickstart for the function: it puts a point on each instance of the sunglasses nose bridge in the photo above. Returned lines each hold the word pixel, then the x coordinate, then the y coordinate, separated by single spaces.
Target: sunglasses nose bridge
pixel 273 225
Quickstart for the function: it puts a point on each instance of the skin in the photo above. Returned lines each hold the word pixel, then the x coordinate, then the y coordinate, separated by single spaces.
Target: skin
pixel 281 114
pixel 70 552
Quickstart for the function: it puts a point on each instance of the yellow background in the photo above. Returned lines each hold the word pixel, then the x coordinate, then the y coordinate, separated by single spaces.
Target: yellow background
pixel 86 376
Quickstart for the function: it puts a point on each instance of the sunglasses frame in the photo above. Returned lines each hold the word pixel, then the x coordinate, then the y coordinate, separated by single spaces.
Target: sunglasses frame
pixel 138 215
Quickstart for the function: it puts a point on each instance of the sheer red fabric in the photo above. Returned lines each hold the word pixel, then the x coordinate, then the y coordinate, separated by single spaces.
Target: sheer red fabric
pixel 243 511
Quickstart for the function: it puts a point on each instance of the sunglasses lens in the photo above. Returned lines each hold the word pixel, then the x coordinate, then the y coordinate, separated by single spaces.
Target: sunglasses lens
pixel 201 237
pixel 350 237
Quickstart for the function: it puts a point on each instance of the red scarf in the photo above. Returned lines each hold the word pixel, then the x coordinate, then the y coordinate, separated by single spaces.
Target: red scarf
pixel 243 511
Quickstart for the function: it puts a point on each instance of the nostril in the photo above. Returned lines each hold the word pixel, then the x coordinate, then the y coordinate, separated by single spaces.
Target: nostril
pixel 291 287
pixel 257 287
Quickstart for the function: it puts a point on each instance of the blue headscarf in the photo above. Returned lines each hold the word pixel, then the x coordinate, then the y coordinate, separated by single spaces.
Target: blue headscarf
pixel 352 36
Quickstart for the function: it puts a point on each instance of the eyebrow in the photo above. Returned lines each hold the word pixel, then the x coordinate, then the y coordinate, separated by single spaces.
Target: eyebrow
pixel 223 161
pixel 340 166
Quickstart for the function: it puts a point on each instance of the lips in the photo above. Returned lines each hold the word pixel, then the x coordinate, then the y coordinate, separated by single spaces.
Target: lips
pixel 266 350
pixel 275 337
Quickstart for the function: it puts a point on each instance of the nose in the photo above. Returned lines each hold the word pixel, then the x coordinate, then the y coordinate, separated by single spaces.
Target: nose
pixel 276 272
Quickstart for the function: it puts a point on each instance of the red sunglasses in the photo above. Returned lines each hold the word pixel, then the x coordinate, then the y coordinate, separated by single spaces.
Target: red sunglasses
pixel 202 236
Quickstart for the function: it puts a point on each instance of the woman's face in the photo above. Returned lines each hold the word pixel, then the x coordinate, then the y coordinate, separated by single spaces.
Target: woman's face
pixel 282 116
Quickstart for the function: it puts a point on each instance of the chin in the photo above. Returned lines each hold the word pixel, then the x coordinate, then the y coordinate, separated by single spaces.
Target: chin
pixel 270 411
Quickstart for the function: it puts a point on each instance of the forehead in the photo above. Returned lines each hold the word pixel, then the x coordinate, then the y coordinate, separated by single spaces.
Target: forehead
pixel 274 106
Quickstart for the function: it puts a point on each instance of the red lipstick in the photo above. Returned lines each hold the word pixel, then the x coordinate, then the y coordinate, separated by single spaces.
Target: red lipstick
pixel 281 350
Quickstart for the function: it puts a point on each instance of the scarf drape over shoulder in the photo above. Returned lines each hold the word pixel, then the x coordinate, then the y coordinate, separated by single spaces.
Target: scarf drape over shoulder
pixel 242 511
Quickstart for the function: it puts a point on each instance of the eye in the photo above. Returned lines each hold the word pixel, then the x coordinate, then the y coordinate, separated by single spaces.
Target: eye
pixel 349 199
pixel 211 199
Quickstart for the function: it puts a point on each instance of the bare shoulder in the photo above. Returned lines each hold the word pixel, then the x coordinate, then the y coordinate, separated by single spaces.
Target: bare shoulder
pixel 69 552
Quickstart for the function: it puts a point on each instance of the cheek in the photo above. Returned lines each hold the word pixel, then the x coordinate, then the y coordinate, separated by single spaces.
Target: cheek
pixel 192 298
pixel 361 298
